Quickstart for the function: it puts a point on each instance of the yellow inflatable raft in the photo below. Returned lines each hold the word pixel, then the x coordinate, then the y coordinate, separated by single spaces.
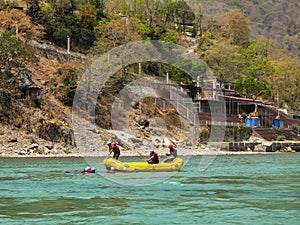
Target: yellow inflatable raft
pixel 116 165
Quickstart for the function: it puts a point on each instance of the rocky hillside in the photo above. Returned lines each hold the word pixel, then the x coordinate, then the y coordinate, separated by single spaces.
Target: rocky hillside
pixel 32 117
pixel 43 126
pixel 40 124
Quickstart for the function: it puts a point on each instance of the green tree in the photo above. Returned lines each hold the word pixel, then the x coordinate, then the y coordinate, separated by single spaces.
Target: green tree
pixel 166 13
pixel 125 7
pixel 235 27
pixel 86 35
pixel 256 61
pixel 177 75
pixel 147 11
pixel 225 61
pixel 168 38
pixel 99 8
pixel 114 33
pixel 182 14
pixel 206 40
pixel 68 77
pixel 285 82
pixel 34 11
pixel 13 55
pixel 63 18
pixel 250 88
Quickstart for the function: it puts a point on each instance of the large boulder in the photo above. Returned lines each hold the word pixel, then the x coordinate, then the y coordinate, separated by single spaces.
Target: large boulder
pixel 259 148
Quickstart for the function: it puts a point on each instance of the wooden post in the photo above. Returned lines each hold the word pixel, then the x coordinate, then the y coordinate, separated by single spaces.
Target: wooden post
pixel 68 44
pixel 140 69
pixel 167 77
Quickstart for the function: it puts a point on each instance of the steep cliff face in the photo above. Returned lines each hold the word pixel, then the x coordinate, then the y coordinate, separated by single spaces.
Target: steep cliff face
pixel 28 107
pixel 23 124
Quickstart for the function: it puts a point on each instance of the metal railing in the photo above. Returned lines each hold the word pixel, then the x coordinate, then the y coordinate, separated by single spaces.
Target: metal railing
pixel 189 110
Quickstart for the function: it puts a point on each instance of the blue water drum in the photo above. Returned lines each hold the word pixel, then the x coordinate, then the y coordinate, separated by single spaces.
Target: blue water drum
pixel 248 122
pixel 255 121
pixel 276 123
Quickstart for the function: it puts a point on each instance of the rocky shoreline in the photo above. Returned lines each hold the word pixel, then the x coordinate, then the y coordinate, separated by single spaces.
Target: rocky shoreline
pixel 60 151
pixel 16 144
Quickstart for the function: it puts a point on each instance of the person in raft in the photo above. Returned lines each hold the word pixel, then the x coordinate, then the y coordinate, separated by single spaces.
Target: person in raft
pixel 154 159
pixel 113 147
pixel 171 155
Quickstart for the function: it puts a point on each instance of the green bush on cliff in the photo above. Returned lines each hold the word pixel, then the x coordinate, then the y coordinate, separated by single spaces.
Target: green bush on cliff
pixel 238 133
pixel 13 55
pixel 68 76
pixel 204 134
pixel 280 138
pixel 296 129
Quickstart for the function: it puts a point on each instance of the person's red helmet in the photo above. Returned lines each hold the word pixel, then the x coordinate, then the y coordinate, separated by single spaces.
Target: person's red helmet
pixel 168 154
pixel 170 146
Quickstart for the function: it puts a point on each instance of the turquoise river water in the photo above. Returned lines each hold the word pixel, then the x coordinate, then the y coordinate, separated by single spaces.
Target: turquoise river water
pixel 236 189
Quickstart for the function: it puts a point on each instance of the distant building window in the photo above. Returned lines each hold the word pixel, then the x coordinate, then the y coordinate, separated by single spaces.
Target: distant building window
pixel 296 117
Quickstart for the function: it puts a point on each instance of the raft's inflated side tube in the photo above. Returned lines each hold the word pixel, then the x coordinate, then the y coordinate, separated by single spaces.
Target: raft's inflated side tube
pixel 175 165
pixel 118 165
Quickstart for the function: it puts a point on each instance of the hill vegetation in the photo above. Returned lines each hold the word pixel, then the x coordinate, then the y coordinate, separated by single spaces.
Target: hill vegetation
pixel 254 44
pixel 273 19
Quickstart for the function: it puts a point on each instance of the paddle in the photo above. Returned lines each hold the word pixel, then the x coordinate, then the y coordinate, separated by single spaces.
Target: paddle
pixel 108 155
pixel 143 157
pixel 80 171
